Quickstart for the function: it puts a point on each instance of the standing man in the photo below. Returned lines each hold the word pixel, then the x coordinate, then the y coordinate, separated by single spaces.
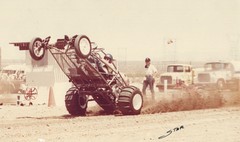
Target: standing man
pixel 150 71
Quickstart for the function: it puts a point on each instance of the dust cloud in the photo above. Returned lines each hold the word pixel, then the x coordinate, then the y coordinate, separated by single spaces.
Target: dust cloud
pixel 192 99
pixel 187 99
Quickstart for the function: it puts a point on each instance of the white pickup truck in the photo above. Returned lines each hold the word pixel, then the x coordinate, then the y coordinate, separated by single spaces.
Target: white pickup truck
pixel 216 74
pixel 176 75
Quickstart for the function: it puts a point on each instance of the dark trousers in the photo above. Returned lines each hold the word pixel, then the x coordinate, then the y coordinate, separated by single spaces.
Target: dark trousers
pixel 149 82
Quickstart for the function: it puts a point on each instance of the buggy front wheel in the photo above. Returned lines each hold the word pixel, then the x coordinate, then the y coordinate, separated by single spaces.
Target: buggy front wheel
pixel 76 102
pixel 36 48
pixel 82 46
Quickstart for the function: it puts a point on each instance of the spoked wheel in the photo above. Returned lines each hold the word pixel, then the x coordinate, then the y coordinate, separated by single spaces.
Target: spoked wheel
pixel 36 49
pixel 83 46
pixel 31 93
pixel 75 102
pixel 130 101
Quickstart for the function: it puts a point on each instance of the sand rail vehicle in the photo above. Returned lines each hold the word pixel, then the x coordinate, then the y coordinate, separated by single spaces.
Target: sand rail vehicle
pixel 92 73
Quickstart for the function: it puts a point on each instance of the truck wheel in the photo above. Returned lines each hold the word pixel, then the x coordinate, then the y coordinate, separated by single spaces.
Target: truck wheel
pixel 220 84
pixel 75 102
pixel 82 46
pixel 130 101
pixel 36 49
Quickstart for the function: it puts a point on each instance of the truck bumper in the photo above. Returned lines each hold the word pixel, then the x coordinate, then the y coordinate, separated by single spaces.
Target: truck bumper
pixel 169 86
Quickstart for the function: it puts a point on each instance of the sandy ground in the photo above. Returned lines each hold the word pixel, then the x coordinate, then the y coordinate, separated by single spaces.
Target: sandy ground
pixel 162 120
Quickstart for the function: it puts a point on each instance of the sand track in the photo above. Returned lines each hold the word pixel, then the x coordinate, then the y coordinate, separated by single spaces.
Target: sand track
pixel 40 123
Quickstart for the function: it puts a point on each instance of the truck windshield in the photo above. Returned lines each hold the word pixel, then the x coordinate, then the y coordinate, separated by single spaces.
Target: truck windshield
pixel 9 71
pixel 175 69
pixel 214 66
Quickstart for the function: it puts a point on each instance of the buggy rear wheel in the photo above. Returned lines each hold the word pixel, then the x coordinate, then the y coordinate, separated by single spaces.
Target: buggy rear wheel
pixel 75 102
pixel 130 101
pixel 82 46
pixel 36 48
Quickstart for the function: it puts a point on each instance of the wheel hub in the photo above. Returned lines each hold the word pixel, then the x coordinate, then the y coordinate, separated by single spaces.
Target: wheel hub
pixel 137 101
pixel 85 46
pixel 38 50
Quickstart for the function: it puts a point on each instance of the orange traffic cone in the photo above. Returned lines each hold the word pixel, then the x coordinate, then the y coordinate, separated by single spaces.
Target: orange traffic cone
pixel 51 99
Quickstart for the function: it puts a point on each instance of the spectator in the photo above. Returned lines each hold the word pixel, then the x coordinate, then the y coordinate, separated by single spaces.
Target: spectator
pixel 150 71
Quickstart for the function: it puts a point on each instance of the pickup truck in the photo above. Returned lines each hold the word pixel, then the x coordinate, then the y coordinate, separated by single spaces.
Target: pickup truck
pixel 216 74
pixel 176 75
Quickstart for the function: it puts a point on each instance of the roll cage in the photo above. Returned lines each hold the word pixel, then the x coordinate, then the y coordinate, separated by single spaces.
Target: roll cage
pixel 85 73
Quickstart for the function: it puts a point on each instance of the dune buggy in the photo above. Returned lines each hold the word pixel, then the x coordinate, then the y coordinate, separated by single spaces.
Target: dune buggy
pixel 91 73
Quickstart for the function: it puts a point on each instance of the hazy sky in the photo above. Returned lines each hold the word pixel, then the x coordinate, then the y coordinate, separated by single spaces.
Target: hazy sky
pixel 129 29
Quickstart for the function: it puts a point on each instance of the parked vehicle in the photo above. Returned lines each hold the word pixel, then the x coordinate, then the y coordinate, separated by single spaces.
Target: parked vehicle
pixel 12 79
pixel 176 75
pixel 216 74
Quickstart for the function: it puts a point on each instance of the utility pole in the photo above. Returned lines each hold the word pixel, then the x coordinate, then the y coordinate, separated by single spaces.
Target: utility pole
pixel 234 40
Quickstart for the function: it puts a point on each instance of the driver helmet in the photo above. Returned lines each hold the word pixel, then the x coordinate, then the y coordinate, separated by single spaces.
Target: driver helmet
pixel 109 58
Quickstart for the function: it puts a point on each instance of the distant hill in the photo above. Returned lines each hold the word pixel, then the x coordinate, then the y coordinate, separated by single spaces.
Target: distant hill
pixel 136 68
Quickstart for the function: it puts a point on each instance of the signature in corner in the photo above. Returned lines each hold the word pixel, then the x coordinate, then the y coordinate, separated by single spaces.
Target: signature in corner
pixel 169 132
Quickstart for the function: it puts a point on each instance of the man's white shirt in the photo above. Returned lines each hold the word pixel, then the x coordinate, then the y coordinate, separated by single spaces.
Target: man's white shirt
pixel 150 70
